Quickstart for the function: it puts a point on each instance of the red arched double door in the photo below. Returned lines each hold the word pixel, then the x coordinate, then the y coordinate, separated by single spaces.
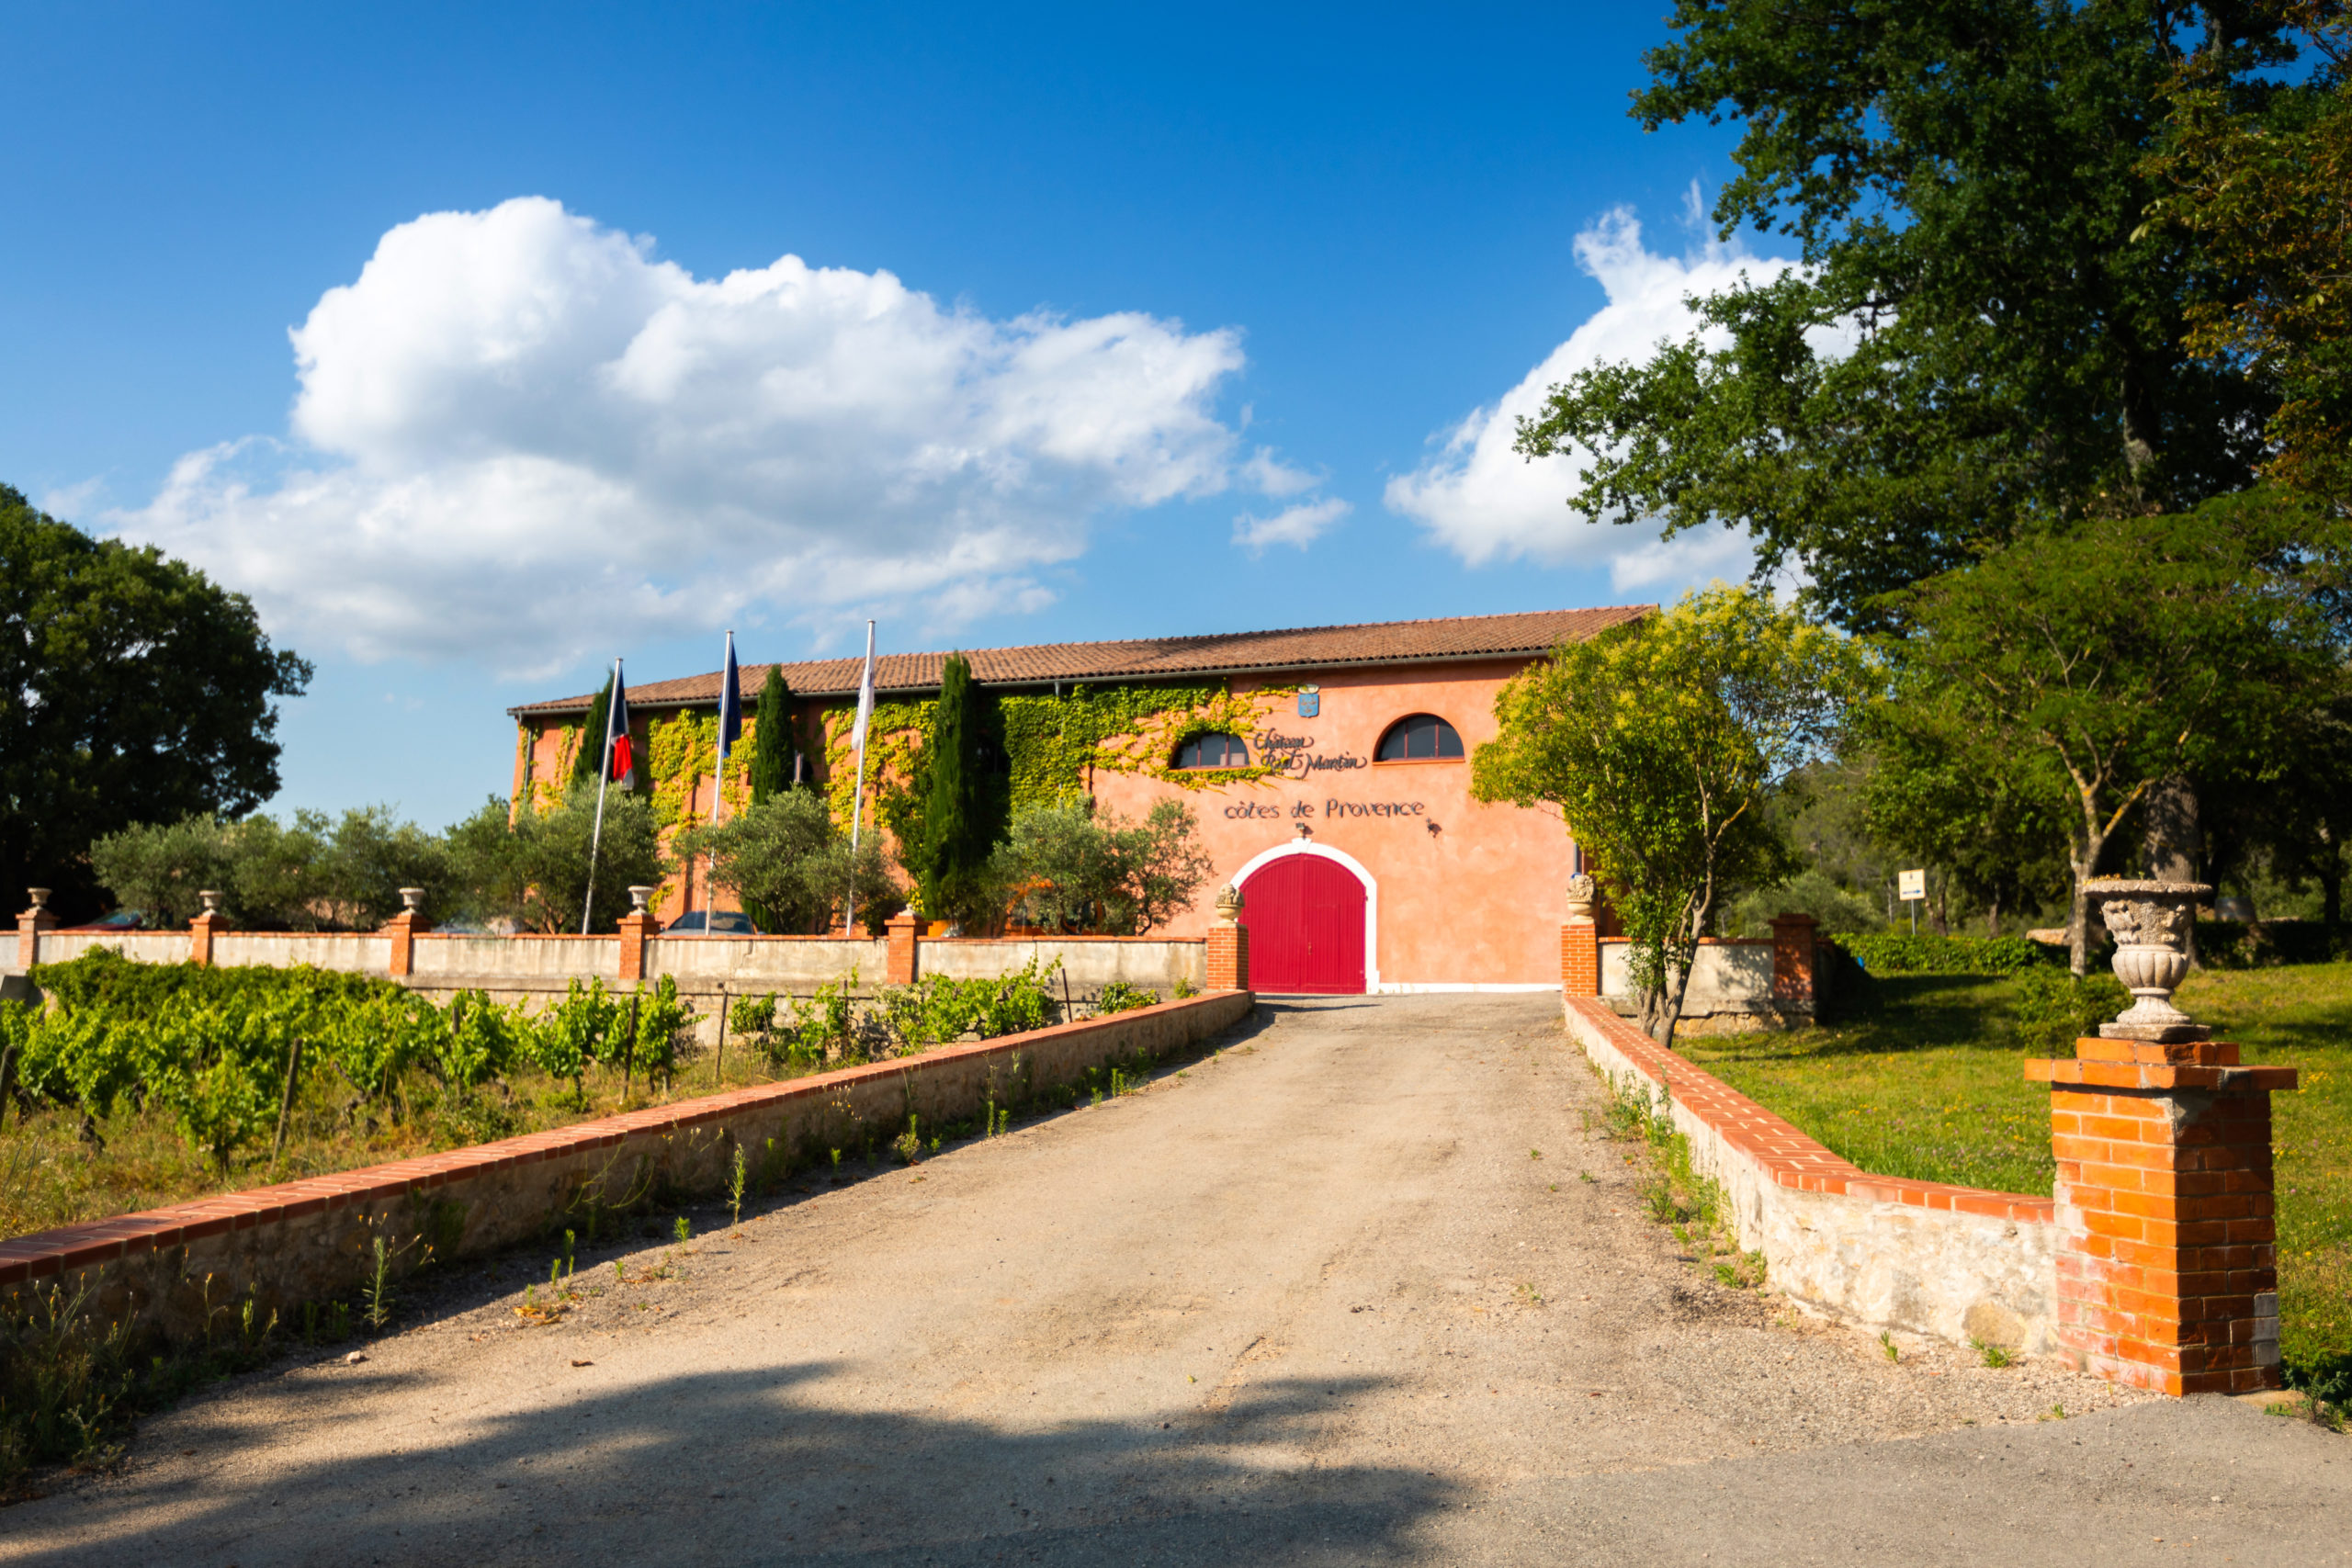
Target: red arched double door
pixel 1306 919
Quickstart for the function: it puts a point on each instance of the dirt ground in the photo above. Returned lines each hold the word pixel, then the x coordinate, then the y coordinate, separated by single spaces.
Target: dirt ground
pixel 1339 1293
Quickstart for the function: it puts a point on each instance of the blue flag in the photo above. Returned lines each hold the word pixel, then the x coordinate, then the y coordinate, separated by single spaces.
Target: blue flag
pixel 730 707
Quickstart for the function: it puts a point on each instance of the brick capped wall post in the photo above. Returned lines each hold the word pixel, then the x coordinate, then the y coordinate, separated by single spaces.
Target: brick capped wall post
pixel 636 926
pixel 2167 1268
pixel 1793 962
pixel 1229 947
pixel 200 929
pixel 901 931
pixel 1580 940
pixel 31 924
pixel 401 928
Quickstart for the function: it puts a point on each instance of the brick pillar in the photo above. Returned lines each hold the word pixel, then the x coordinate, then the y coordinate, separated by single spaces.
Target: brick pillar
pixel 635 927
pixel 200 930
pixel 899 967
pixel 401 928
pixel 1227 958
pixel 2167 1269
pixel 1793 962
pixel 31 924
pixel 1580 959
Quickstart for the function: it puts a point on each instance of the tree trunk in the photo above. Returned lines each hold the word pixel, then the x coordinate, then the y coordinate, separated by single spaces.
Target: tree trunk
pixel 2078 912
pixel 1993 917
pixel 2172 837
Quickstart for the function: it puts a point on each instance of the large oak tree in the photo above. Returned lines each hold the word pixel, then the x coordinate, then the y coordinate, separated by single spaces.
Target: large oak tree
pixel 132 689
pixel 1986 341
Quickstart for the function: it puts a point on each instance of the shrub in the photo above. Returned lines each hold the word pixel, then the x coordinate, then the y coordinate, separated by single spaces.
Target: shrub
pixel 1120 997
pixel 1070 868
pixel 103 980
pixel 1843 989
pixel 936 1011
pixel 2052 1009
pixel 2261 944
pixel 1901 953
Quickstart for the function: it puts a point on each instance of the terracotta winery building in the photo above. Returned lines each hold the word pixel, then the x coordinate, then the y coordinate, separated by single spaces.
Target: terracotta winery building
pixel 1327 767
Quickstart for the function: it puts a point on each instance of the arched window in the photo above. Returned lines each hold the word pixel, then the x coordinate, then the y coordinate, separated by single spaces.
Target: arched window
pixel 1213 751
pixel 1422 735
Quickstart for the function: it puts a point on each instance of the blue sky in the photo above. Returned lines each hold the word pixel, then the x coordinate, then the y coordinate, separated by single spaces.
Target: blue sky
pixel 1111 322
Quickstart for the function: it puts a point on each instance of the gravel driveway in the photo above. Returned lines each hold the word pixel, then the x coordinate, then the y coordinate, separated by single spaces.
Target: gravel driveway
pixel 1340 1294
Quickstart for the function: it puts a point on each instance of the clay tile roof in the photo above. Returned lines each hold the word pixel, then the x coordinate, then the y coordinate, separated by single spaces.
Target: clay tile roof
pixel 1146 659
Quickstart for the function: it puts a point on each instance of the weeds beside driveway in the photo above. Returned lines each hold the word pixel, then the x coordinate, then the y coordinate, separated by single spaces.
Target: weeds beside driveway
pixel 1338 1294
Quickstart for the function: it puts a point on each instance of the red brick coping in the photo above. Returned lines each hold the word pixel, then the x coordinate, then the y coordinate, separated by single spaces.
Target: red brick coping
pixel 1787 1155
pixel 43 1254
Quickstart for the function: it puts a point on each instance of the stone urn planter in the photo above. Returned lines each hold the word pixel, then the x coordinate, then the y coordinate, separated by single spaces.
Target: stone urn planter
pixel 1583 894
pixel 2150 923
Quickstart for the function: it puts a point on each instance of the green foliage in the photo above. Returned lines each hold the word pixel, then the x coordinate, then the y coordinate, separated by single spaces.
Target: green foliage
pixel 477 1042
pixel 1901 953
pixel 2078 672
pixel 786 857
pixel 661 1020
pixel 1072 867
pixel 1980 347
pixel 576 1031
pixel 2257 180
pixel 589 756
pixel 132 689
pixel 103 980
pixel 1052 744
pixel 71 1384
pixel 532 870
pixel 2262 944
pixel 958 828
pixel 775 739
pixel 1660 742
pixel 937 1010
pixel 1810 892
pixel 311 873
pixel 2050 1009
pixel 1120 997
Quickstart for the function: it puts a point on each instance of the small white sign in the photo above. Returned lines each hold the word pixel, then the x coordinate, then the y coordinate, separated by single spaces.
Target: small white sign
pixel 1911 884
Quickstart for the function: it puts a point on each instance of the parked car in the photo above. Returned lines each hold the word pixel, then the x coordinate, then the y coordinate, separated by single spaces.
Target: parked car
pixel 120 921
pixel 711 922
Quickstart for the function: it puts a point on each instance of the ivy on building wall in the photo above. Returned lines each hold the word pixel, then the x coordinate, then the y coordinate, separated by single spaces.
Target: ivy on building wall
pixel 677 753
pixel 1055 744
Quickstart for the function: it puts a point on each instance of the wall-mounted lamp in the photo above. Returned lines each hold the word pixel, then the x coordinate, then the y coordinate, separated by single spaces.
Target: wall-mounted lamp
pixel 1305 831
pixel 1433 829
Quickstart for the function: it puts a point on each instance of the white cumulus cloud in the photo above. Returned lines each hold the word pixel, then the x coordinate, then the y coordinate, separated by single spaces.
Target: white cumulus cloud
pixel 1300 525
pixel 520 436
pixel 1483 501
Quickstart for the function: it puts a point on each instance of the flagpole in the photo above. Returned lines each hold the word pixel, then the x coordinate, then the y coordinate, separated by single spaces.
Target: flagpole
pixel 719 790
pixel 857 796
pixel 603 777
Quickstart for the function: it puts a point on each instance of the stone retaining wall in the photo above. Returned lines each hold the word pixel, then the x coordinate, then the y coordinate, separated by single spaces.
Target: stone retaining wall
pixel 1953 1262
pixel 535 969
pixel 312 1240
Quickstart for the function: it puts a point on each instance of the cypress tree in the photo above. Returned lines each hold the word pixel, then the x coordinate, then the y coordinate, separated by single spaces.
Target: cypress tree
pixel 775 736
pixel 585 761
pixel 955 834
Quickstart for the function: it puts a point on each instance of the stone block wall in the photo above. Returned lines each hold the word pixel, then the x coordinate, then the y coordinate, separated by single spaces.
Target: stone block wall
pixel 312 1240
pixel 1735 983
pixel 1925 1257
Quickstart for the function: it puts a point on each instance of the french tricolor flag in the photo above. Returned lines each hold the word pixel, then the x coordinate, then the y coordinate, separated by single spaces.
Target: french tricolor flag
pixel 620 755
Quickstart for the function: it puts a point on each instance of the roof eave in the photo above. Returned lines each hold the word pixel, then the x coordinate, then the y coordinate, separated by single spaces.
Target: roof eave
pixel 565 710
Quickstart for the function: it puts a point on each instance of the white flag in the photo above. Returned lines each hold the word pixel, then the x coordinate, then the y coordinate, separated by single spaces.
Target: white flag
pixel 864 707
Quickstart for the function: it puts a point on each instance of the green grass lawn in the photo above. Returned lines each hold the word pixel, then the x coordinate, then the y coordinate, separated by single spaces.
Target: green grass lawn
pixel 1930 1086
